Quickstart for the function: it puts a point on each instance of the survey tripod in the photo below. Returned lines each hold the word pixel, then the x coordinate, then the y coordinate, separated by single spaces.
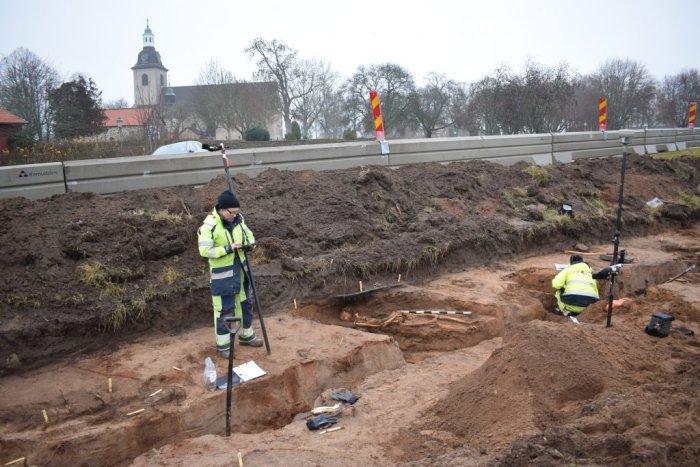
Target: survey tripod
pixel 246 264
pixel 233 324
pixel 625 140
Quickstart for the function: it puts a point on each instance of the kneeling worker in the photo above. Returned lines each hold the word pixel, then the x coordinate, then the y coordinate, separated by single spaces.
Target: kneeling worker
pixel 575 286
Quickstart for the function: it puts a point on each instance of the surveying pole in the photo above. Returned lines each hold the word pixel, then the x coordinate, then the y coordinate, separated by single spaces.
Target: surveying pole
pixel 625 140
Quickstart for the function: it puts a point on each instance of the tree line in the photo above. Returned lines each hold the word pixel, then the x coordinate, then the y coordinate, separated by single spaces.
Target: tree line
pixel 315 101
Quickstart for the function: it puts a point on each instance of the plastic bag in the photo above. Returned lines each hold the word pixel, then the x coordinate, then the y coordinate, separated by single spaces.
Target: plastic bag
pixel 209 374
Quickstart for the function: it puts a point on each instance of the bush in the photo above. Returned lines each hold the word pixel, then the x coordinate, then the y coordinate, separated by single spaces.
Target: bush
pixel 256 134
pixel 349 134
pixel 296 130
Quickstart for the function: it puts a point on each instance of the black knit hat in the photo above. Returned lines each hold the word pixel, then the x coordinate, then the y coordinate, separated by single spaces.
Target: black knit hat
pixel 573 259
pixel 227 200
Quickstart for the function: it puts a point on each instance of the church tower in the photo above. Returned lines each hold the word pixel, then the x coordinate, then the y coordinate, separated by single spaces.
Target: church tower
pixel 150 76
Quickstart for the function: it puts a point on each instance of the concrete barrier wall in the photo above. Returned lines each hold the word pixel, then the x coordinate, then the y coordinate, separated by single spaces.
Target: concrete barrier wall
pixel 133 173
pixel 32 181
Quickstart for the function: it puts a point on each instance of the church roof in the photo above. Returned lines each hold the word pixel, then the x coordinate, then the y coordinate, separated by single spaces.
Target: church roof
pixel 189 93
pixel 130 117
pixel 149 58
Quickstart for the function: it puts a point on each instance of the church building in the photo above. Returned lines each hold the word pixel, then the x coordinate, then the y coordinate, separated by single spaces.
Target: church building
pixel 206 112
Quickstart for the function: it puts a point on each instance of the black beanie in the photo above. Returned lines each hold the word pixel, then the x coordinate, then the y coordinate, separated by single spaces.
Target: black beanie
pixel 227 200
pixel 573 259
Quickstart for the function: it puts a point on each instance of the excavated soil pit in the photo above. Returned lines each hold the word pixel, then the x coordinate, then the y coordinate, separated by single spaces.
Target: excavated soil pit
pixel 162 381
pixel 419 335
pixel 158 398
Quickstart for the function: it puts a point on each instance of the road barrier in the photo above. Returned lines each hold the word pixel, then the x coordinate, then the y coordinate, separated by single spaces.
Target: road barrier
pixel 132 173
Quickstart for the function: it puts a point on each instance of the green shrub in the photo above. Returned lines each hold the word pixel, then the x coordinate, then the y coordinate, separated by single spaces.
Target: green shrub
pixel 296 130
pixel 349 134
pixel 256 134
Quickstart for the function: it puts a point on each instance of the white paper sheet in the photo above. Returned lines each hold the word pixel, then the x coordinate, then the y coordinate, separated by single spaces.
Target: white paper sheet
pixel 249 370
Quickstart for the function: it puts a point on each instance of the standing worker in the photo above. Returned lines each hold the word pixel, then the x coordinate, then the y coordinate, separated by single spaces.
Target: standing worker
pixel 575 286
pixel 221 239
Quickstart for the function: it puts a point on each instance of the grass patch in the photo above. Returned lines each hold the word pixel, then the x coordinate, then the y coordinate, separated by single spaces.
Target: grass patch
pixel 596 207
pixel 361 269
pixel 551 215
pixel 21 301
pixel 108 279
pixel 131 310
pixel 432 254
pixel 539 175
pixel 695 152
pixel 514 196
pixel 169 275
pixel 166 216
pixel 689 199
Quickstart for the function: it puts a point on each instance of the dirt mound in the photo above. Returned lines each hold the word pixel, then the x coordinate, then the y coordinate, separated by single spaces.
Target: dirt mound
pixel 591 395
pixel 84 272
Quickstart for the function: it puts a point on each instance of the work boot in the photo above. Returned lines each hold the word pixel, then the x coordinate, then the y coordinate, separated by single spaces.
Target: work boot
pixel 251 342
pixel 224 353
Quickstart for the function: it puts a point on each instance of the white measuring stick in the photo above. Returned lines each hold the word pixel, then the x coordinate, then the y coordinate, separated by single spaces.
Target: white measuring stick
pixel 436 312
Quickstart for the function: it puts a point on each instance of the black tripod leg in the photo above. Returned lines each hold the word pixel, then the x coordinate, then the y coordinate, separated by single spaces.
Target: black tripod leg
pixel 249 272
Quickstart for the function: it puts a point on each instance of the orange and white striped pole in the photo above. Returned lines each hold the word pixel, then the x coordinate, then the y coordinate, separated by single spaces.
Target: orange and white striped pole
pixel 691 114
pixel 377 114
pixel 602 114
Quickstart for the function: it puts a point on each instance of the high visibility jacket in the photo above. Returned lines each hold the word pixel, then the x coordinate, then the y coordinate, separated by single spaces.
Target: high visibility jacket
pixel 577 285
pixel 225 268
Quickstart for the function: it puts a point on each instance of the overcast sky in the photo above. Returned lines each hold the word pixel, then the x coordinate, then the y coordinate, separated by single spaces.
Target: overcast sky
pixel 464 40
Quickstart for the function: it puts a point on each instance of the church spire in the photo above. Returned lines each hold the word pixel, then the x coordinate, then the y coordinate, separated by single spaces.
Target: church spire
pixel 148 37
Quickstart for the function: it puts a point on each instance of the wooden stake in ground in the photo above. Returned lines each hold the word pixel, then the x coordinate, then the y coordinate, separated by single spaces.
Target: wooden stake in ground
pixel 17 460
pixel 690 268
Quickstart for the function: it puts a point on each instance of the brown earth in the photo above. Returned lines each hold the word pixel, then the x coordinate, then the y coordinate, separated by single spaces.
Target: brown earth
pixel 112 286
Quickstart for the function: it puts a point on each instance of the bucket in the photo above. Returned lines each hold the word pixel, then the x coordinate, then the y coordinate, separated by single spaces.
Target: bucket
pixel 660 325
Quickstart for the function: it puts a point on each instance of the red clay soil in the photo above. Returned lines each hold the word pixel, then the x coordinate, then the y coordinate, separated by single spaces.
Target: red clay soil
pixel 85 274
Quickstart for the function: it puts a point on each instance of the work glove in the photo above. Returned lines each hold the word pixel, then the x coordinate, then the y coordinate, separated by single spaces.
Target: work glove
pixel 248 248
pixel 320 421
pixel 344 396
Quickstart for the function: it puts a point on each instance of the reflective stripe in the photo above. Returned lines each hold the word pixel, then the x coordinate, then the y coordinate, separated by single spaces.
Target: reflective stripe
pixel 574 281
pixel 221 275
pixel 206 243
pixel 581 293
pixel 247 334
pixel 212 253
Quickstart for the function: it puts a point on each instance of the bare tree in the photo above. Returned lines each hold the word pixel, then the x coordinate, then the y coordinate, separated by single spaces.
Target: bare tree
pixel 315 81
pixel 214 98
pixel 629 89
pixel 432 105
pixel 278 62
pixel 120 103
pixel 394 85
pixel 25 83
pixel 675 96
pixel 584 114
pixel 332 120
pixel 483 109
pixel 254 104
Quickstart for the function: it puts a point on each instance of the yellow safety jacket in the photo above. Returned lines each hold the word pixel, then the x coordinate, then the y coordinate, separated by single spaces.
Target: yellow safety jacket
pixel 577 285
pixel 225 268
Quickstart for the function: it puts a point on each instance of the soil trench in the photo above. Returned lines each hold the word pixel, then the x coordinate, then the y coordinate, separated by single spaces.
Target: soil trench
pixel 504 382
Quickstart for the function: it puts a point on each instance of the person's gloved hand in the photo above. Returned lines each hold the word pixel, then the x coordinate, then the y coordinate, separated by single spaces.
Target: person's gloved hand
pixel 344 396
pixel 320 421
pixel 248 248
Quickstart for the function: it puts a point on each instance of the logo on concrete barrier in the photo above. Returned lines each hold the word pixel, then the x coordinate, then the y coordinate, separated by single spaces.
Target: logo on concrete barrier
pixel 23 174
